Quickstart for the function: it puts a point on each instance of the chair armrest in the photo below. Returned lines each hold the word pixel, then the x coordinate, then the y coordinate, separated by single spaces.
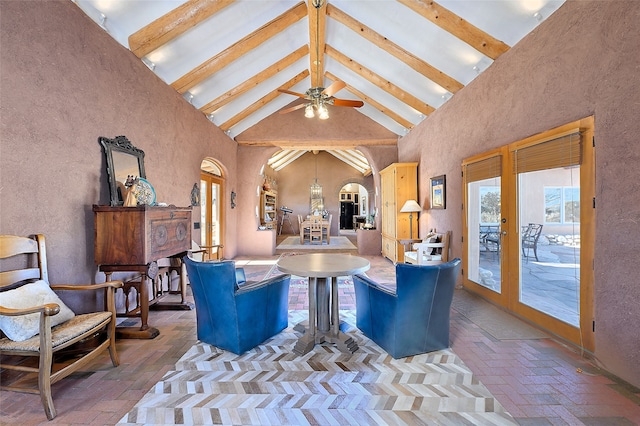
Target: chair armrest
pixel 428 245
pixel 254 285
pixel 48 309
pixel 109 284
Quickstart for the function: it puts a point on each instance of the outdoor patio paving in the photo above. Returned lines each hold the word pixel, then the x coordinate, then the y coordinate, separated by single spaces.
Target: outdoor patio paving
pixel 550 284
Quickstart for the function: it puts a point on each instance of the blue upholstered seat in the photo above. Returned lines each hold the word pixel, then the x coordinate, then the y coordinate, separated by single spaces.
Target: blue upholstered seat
pixel 415 318
pixel 232 313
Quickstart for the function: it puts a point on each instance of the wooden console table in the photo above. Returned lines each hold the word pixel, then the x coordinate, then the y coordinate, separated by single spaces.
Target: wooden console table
pixel 132 239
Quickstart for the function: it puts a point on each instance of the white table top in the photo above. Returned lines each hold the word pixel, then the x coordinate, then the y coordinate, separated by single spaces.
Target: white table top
pixel 323 265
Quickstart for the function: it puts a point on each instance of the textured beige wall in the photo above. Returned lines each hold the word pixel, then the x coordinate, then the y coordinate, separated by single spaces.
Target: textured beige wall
pixel 581 61
pixel 64 83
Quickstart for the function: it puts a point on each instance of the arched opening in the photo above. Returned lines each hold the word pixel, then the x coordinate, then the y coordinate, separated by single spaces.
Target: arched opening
pixel 211 212
pixel 354 207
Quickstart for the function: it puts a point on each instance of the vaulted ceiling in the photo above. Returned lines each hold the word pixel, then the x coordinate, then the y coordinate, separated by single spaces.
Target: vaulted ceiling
pixel 403 59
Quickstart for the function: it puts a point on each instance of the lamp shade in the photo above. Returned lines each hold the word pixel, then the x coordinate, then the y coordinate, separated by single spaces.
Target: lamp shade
pixel 411 206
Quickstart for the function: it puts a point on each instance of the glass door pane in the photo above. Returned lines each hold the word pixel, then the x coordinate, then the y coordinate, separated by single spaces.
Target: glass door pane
pixel 549 218
pixel 204 211
pixel 210 213
pixel 483 232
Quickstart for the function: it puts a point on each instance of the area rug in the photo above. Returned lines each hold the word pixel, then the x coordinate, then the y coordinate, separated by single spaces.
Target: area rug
pixel 337 243
pixel 270 385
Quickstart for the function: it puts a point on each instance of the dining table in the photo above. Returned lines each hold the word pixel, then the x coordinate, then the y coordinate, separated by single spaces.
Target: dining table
pixel 323 270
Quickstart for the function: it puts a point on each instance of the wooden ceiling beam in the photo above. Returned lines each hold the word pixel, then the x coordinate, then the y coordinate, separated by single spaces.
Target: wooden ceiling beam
pixel 287 159
pixel 291 160
pixel 460 28
pixel 173 24
pixel 377 80
pixel 342 156
pixel 239 48
pixel 262 101
pixel 317 26
pixel 369 101
pixel 430 72
pixel 358 157
pixel 256 80
pixel 319 144
pixel 277 156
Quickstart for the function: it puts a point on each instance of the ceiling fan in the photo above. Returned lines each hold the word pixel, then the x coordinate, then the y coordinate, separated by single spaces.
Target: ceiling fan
pixel 319 98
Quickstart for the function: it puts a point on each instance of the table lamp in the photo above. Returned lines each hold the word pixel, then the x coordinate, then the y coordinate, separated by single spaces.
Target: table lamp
pixel 410 207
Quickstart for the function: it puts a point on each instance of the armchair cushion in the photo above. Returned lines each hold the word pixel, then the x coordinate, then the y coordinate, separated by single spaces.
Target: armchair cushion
pixel 23 327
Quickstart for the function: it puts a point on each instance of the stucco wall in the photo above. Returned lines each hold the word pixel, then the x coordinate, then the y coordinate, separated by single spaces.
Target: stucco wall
pixel 581 61
pixel 64 82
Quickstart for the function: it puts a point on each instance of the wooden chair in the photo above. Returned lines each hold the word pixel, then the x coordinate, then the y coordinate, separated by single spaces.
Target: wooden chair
pixel 17 289
pixel 303 229
pixel 315 230
pixel 326 230
pixel 433 250
pixel 205 253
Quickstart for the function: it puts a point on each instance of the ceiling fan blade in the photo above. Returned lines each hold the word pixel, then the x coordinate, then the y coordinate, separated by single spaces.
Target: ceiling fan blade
pixel 347 103
pixel 293 108
pixel 335 87
pixel 293 93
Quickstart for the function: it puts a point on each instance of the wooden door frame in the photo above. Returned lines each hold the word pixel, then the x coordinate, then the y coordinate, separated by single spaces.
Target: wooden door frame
pixel 584 335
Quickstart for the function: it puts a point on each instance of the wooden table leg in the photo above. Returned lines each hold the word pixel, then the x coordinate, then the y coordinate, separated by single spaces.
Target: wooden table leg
pixel 144 331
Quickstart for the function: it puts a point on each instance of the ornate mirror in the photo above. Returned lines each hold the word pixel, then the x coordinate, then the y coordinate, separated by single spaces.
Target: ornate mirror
pixel 123 160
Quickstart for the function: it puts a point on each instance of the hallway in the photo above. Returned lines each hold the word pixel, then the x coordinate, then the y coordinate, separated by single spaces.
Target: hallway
pixel 538 380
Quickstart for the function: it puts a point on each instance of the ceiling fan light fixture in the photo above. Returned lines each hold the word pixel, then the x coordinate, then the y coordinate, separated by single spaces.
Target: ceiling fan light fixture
pixel 308 111
pixel 323 113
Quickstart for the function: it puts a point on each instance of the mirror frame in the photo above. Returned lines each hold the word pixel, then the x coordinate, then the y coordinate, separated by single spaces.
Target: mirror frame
pixel 123 145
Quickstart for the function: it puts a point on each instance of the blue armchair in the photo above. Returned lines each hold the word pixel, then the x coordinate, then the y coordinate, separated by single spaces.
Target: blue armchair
pixel 232 313
pixel 415 318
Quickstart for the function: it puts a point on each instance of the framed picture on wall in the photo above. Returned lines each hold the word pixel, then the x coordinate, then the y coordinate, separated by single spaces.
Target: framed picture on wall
pixel 438 192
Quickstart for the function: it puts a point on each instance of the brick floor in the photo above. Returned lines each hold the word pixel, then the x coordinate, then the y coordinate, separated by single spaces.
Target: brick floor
pixel 539 381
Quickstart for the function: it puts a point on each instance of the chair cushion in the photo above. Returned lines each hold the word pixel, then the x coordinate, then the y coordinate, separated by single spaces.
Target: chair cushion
pixel 23 327
pixel 76 326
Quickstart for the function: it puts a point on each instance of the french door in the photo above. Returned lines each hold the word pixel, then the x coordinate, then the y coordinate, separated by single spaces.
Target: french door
pixel 528 229
pixel 211 221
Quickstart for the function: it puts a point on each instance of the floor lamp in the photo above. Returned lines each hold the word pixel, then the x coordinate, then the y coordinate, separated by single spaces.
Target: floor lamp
pixel 411 206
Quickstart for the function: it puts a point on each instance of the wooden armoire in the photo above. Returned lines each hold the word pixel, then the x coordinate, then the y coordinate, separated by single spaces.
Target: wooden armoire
pixel 399 183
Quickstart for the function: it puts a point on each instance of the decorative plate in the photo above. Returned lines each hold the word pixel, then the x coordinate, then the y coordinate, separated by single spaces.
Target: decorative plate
pixel 145 194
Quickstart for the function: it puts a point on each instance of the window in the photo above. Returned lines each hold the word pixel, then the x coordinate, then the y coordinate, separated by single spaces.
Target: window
pixel 489 204
pixel 561 204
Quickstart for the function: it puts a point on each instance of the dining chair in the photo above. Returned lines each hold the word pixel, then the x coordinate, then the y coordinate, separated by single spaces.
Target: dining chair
pixel 315 230
pixel 303 228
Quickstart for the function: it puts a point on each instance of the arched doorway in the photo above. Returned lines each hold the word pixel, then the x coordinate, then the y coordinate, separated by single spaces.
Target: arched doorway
pixel 354 206
pixel 211 212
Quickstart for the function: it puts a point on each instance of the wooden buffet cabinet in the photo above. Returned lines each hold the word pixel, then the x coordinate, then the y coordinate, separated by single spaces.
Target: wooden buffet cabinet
pixel 133 239
pixel 399 183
